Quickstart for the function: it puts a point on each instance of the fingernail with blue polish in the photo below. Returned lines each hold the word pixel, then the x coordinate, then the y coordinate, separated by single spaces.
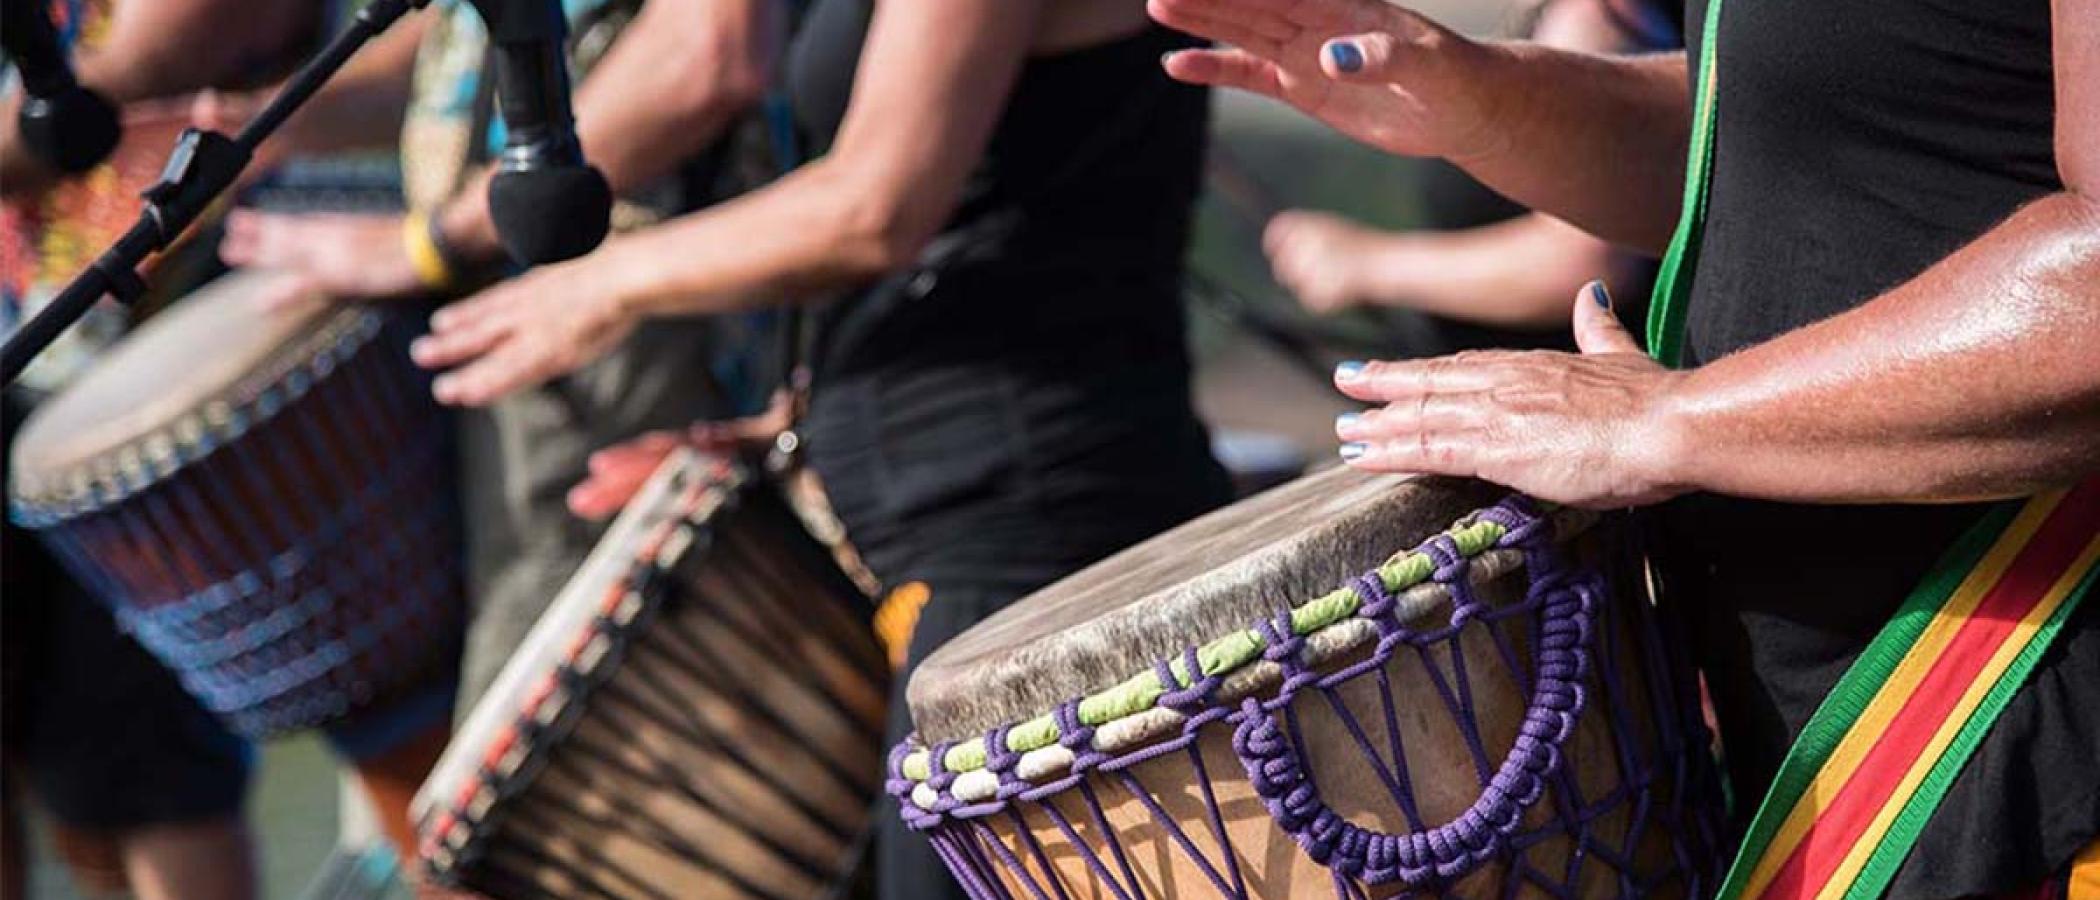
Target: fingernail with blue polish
pixel 1599 294
pixel 1347 420
pixel 1345 55
pixel 1349 370
pixel 1352 452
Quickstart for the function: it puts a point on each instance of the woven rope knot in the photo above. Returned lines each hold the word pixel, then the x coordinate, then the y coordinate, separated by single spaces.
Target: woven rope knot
pixel 1283 644
pixel 999 759
pixel 1521 520
pixel 1377 601
pixel 940 778
pixel 1451 564
pixel 1196 697
pixel 1073 734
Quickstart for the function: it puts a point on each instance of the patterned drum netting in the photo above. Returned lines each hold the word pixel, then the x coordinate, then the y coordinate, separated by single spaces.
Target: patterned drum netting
pixel 698 714
pixel 1432 728
pixel 264 500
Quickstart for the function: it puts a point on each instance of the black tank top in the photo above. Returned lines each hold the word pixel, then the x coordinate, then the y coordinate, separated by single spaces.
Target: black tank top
pixel 1018 400
pixel 1858 143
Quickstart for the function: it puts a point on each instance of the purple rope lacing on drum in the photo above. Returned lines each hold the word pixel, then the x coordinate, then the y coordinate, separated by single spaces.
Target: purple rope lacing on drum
pixel 1565 603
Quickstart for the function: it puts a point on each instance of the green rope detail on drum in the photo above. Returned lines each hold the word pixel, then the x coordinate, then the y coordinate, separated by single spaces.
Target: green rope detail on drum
pixel 1141 692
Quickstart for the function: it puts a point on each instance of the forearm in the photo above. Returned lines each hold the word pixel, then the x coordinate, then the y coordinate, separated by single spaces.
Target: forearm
pixel 363 105
pixel 673 82
pixel 1468 274
pixel 1596 140
pixel 1977 379
pixel 680 74
pixel 152 47
pixel 822 227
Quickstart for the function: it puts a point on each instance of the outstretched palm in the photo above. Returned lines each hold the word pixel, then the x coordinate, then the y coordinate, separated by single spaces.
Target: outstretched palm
pixel 1411 99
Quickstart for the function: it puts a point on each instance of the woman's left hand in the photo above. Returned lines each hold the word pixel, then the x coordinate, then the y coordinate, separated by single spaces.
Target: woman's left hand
pixel 1592 429
pixel 540 325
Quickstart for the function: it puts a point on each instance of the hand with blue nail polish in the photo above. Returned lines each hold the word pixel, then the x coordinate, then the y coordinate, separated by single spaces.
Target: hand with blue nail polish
pixel 1381 74
pixel 1597 429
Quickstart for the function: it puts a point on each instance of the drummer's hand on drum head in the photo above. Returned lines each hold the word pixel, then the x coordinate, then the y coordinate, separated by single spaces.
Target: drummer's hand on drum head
pixel 546 323
pixel 1594 429
pixel 1369 69
pixel 618 471
pixel 353 257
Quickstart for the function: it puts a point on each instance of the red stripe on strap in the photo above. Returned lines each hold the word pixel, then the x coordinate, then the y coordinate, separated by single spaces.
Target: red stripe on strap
pixel 2051 551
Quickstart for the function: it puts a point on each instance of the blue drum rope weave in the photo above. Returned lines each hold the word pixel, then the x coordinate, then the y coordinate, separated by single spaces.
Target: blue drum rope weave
pixel 290 550
pixel 976 799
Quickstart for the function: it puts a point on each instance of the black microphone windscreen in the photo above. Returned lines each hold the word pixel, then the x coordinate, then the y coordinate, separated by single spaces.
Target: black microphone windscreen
pixel 71 130
pixel 550 214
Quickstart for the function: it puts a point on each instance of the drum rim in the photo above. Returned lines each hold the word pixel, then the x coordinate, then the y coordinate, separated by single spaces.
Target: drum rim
pixel 1126 717
pixel 288 373
pixel 488 756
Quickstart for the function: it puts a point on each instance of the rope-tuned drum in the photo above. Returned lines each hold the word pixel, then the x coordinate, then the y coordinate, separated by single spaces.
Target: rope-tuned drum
pixel 698 715
pixel 264 497
pixel 1207 715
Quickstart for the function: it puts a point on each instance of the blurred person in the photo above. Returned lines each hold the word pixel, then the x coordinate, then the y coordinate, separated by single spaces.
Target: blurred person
pixel 1483 272
pixel 1873 479
pixel 143 788
pixel 665 108
pixel 1001 394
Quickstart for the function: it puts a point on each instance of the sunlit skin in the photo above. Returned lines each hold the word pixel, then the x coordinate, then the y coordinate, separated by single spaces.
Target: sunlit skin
pixel 1514 274
pixel 934 76
pixel 678 75
pixel 1976 379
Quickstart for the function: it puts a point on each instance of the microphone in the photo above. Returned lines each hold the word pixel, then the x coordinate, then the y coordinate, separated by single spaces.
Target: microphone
pixel 548 203
pixel 64 125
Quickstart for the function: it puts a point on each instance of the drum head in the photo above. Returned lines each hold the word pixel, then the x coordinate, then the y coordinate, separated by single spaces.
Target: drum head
pixel 1198 582
pixel 217 344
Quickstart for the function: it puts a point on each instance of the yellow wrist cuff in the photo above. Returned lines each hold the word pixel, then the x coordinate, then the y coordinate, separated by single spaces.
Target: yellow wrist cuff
pixel 423 253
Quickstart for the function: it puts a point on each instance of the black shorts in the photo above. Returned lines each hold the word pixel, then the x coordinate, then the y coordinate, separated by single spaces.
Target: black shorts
pixel 97 729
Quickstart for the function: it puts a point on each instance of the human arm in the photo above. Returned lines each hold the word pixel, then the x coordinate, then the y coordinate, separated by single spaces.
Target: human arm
pixel 1976 379
pixel 676 78
pixel 148 51
pixel 1511 274
pixel 933 79
pixel 1599 141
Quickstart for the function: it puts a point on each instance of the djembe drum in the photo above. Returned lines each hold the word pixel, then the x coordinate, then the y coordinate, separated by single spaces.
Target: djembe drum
pixel 1207 715
pixel 698 715
pixel 264 497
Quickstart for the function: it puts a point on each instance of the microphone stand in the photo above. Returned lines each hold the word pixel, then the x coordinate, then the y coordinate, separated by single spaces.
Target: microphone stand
pixel 201 167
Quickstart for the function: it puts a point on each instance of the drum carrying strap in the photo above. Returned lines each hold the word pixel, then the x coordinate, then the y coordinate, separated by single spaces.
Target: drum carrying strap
pixel 1872 764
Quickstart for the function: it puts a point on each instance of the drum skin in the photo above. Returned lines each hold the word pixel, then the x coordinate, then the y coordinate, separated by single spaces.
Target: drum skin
pixel 699 714
pixel 1626 759
pixel 264 498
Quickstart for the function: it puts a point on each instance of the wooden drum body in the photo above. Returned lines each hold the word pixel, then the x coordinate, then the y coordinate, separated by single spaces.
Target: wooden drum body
pixel 698 715
pixel 264 497
pixel 1491 714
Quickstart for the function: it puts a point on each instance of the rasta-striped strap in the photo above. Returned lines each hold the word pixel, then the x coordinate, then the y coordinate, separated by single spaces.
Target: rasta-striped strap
pixel 1874 762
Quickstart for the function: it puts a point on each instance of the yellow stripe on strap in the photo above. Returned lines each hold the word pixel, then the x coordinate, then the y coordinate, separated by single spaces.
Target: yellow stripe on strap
pixel 1856 858
pixel 1838 769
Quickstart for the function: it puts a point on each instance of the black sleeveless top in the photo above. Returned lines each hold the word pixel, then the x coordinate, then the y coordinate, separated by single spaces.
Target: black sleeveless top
pixel 1017 403
pixel 1858 143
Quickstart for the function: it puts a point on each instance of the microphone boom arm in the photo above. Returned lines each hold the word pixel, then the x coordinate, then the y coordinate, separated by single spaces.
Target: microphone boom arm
pixel 201 167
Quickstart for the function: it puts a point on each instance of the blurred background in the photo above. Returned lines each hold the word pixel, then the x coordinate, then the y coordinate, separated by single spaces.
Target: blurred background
pixel 1266 156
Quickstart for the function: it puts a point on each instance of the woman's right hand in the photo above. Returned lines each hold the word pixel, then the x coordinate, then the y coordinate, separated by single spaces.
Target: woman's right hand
pixel 1380 74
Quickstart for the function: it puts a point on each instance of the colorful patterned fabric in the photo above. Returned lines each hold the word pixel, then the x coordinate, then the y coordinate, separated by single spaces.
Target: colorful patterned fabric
pixel 1873 763
pixel 44 243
